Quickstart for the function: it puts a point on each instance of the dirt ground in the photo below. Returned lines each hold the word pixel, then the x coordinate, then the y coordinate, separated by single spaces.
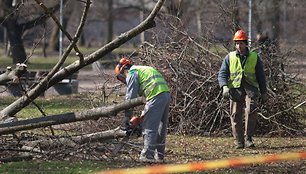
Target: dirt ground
pixel 189 149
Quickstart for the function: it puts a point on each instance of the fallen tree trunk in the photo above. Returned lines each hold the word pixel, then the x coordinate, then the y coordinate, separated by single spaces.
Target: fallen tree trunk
pixel 13 74
pixel 91 114
pixel 76 140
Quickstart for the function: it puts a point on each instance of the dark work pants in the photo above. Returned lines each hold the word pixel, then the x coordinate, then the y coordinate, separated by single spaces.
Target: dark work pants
pixel 248 109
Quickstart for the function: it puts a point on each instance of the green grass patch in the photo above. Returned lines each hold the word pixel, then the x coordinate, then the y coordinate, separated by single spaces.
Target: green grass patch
pixel 50 105
pixel 182 149
pixel 53 167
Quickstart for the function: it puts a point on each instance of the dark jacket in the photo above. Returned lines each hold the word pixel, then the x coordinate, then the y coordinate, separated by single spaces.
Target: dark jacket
pixel 223 76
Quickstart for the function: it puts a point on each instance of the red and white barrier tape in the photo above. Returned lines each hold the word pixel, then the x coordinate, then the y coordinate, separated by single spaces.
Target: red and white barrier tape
pixel 208 165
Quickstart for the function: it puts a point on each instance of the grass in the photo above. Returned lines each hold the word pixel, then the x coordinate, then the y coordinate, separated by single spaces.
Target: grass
pixel 50 105
pixel 189 149
pixel 52 167
pixel 181 150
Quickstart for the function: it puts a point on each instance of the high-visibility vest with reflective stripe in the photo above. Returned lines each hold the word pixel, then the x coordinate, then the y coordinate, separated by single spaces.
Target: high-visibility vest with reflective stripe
pixel 237 71
pixel 151 81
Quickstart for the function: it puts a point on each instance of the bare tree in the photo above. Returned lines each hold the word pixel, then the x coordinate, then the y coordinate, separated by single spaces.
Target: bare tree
pixel 17 18
pixel 58 73
pixel 110 21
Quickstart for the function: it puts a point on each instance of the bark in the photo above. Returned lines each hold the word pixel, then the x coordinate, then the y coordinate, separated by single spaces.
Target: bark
pixel 53 42
pixel 76 140
pixel 51 79
pixel 95 113
pixel 10 18
pixel 13 75
pixel 257 19
pixel 110 21
pixel 275 21
pixel 14 34
pixel 235 18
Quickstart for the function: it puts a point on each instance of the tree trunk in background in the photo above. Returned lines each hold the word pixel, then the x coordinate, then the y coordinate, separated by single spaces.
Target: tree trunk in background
pixel 82 40
pixel 52 79
pixel 235 16
pixel 275 21
pixel 256 19
pixel 53 40
pixel 273 18
pixel 14 34
pixel 45 41
pixel 175 7
pixel 71 12
pixel 110 21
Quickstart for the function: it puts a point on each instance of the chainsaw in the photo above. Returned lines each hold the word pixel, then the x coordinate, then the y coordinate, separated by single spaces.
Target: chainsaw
pixel 133 130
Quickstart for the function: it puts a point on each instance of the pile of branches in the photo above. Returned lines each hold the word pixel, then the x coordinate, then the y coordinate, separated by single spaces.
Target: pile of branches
pixel 197 107
pixel 191 70
pixel 284 113
pixel 90 134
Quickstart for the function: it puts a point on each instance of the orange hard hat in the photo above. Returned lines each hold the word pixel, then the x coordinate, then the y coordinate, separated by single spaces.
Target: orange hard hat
pixel 124 61
pixel 240 35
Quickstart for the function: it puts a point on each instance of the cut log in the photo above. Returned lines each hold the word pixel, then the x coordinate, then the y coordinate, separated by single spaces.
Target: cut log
pixel 13 74
pixel 92 114
pixel 77 140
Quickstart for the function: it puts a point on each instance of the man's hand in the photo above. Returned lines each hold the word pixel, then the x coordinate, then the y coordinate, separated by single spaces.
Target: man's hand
pixel 264 97
pixel 225 92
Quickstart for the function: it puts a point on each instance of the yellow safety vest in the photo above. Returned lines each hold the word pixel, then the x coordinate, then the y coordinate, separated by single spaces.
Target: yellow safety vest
pixel 237 71
pixel 151 81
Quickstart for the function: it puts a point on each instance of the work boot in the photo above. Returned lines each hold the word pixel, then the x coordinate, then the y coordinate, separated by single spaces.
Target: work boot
pixel 159 159
pixel 146 160
pixel 239 145
pixel 249 142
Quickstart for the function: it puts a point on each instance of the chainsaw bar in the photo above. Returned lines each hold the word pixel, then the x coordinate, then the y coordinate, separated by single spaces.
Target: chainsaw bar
pixel 119 146
pixel 129 133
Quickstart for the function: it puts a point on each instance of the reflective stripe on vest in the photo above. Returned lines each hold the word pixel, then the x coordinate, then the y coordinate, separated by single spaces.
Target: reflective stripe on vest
pixel 237 71
pixel 151 81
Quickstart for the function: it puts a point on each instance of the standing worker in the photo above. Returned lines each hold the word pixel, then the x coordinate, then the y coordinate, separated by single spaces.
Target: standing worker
pixel 242 79
pixel 148 82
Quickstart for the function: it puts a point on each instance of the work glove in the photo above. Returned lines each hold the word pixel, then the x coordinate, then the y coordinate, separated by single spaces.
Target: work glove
pixel 225 92
pixel 135 121
pixel 264 97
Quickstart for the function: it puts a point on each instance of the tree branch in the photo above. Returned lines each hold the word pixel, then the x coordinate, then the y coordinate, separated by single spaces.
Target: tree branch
pixel 23 101
pixel 95 113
